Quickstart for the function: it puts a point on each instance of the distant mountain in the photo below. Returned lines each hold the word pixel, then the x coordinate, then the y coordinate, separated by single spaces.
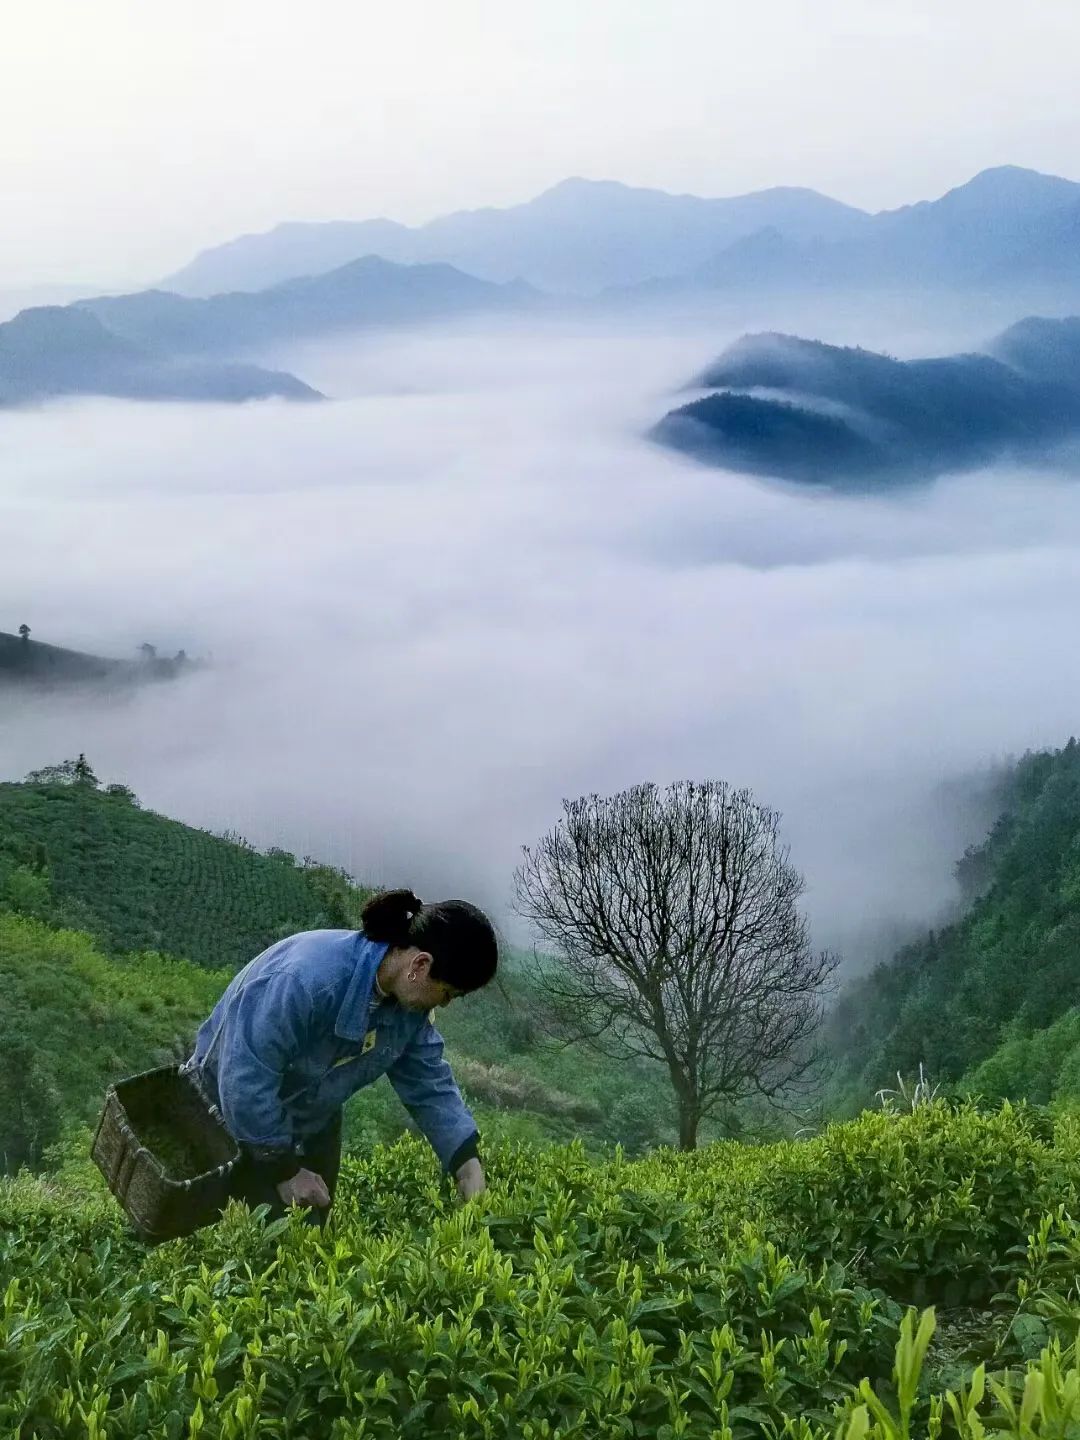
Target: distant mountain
pixel 157 346
pixel 31 296
pixel 828 415
pixel 1050 257
pixel 31 663
pixel 366 292
pixel 65 350
pixel 1007 225
pixel 578 237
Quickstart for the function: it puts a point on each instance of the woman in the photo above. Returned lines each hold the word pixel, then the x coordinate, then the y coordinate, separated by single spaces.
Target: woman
pixel 317 1017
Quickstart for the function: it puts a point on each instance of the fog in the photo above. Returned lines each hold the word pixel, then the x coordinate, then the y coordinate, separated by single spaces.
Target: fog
pixel 466 588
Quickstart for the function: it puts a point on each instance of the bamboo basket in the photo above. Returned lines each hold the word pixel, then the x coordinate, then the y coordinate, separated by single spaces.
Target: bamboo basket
pixel 158 1206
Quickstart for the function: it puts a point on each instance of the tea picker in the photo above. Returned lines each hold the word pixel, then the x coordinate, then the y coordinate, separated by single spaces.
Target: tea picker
pixel 255 1112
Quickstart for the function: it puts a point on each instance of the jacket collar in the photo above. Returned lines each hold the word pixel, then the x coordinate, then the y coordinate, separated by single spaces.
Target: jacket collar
pixel 352 1016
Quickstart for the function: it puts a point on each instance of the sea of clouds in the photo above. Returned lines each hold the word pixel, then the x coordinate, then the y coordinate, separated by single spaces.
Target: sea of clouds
pixel 466 588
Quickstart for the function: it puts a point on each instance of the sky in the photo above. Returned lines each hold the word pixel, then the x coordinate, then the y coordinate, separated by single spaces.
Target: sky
pixel 467 588
pixel 134 133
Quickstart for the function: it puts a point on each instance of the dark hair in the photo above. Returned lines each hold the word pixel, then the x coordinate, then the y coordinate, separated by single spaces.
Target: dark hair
pixel 459 937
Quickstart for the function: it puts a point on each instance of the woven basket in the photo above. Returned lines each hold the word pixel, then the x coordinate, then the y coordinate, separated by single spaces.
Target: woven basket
pixel 158 1206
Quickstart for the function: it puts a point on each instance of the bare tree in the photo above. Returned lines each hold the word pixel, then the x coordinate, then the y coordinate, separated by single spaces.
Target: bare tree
pixel 672 917
pixel 24 633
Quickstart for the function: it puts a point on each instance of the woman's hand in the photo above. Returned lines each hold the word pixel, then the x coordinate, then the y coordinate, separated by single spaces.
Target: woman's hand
pixel 470 1179
pixel 304 1188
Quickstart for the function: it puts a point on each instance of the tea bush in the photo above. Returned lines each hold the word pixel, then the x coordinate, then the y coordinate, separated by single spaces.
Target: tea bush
pixel 571 1305
pixel 736 1292
pixel 930 1204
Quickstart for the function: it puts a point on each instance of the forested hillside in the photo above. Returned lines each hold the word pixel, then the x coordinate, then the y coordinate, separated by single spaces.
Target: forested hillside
pixel 92 858
pixel 1006 975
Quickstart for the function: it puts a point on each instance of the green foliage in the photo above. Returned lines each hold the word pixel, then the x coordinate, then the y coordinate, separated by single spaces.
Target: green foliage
pixel 1040 1065
pixel 31 1106
pixel 139 881
pixel 567 1303
pixel 574 1300
pixel 1006 970
pixel 933 1202
pixel 69 772
pixel 1039 1403
pixel 27 892
pixel 633 1122
pixel 122 792
pixel 341 901
pixel 73 1020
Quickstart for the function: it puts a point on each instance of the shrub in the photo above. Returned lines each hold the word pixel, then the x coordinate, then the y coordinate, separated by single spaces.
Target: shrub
pixel 652 1298
pixel 929 1204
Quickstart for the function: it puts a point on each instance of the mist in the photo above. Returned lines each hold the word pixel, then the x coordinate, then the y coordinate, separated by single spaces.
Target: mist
pixel 467 588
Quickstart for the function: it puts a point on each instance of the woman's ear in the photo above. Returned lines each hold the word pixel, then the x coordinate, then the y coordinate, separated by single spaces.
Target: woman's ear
pixel 420 965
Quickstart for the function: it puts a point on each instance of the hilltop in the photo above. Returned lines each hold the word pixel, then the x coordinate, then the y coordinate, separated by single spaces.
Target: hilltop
pixel 53 351
pixel 842 416
pixel 137 880
pixel 579 236
pixel 39 665
pixel 364 293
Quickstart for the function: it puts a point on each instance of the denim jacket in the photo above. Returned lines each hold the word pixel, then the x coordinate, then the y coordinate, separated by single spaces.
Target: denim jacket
pixel 301 1028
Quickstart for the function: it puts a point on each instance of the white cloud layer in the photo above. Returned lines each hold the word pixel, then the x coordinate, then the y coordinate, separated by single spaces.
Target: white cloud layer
pixel 467 588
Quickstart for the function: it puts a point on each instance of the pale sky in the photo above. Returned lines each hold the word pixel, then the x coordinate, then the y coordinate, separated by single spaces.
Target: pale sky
pixel 135 132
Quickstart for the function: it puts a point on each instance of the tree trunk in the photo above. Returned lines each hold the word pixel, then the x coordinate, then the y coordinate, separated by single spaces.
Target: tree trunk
pixel 688 1123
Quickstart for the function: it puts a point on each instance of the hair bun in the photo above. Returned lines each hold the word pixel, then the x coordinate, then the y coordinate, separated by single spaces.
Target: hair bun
pixel 387 918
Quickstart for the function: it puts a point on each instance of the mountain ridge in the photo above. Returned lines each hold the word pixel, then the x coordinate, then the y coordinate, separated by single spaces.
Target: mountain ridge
pixel 153 344
pixel 52 351
pixel 37 663
pixel 366 291
pixel 585 236
pixel 463 238
pixel 842 416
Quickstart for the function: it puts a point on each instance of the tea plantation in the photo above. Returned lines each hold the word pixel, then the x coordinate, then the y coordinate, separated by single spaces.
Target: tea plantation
pixel 733 1292
pixel 907 1274
pixel 140 881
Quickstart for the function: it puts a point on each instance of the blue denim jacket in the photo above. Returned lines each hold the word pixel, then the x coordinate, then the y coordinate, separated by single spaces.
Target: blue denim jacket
pixel 300 1029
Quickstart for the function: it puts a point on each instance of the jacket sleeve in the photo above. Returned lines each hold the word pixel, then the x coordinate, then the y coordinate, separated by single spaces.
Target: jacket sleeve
pixel 425 1085
pixel 272 1021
